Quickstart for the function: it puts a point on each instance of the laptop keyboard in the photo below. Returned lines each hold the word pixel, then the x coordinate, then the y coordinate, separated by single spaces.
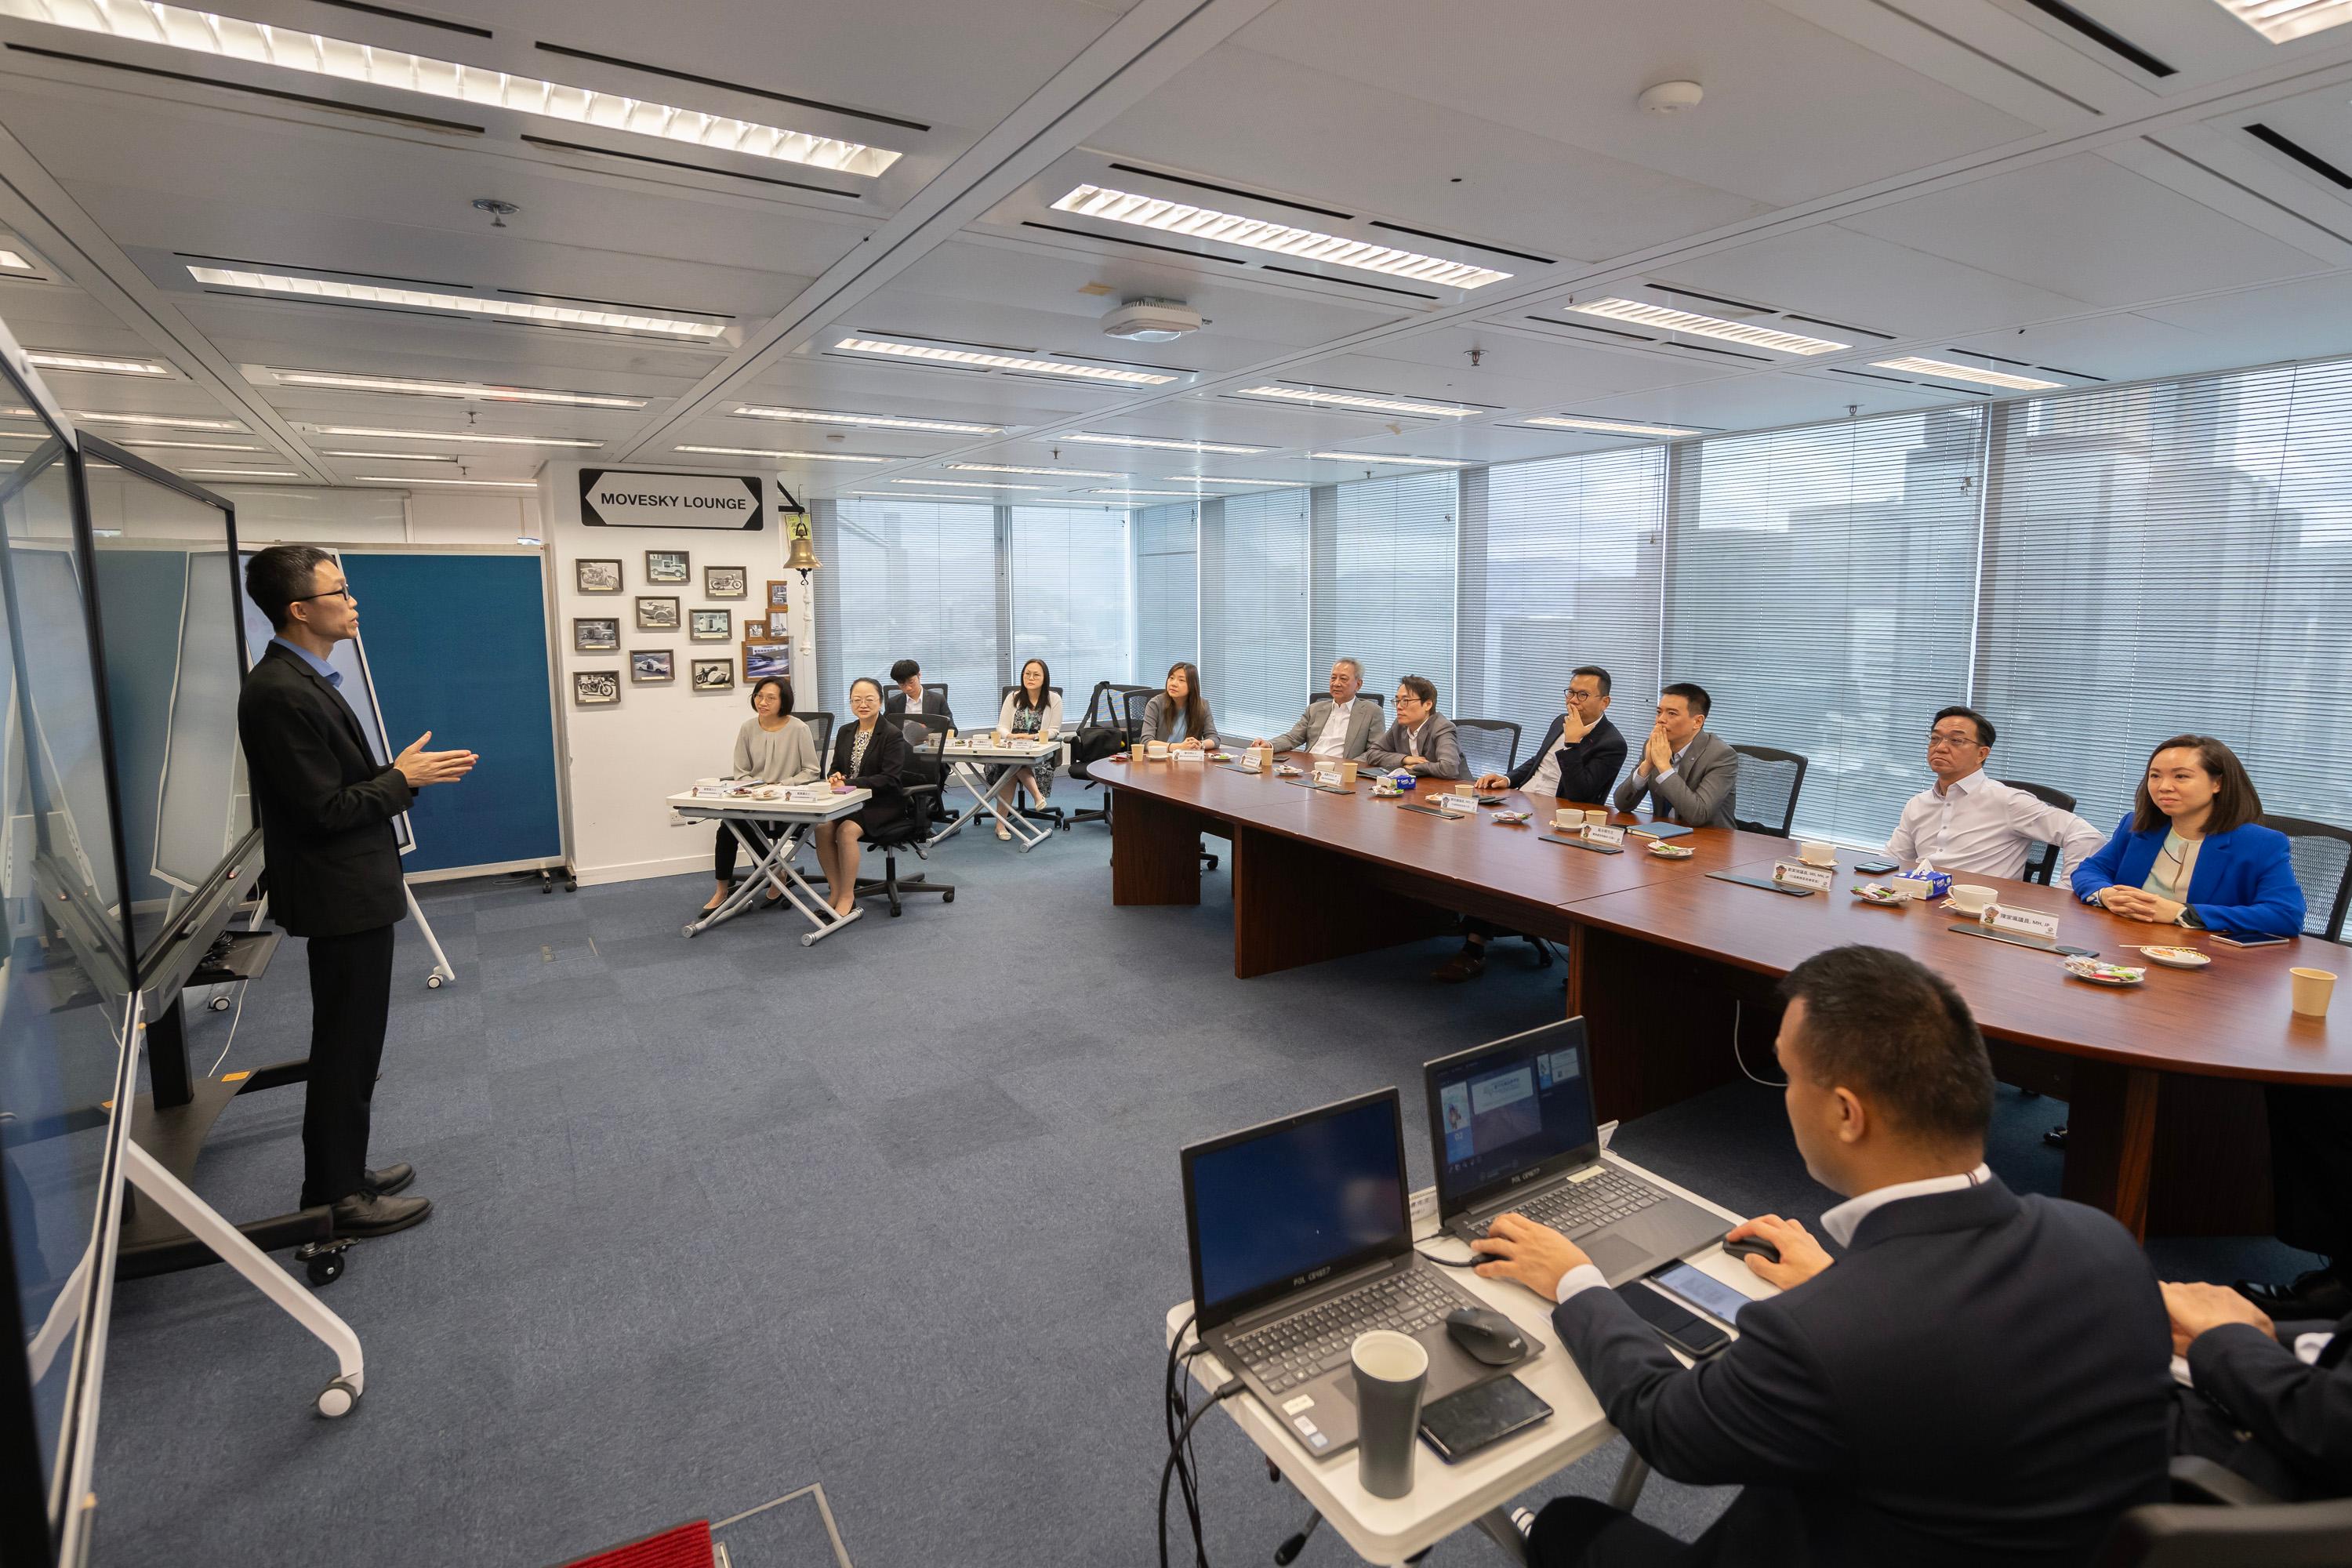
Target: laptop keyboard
pixel 1291 1351
pixel 1573 1208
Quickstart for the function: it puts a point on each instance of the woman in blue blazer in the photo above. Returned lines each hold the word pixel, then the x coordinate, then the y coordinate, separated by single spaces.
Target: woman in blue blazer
pixel 2190 853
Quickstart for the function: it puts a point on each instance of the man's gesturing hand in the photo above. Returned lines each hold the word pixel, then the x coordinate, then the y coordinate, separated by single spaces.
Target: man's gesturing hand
pixel 421 767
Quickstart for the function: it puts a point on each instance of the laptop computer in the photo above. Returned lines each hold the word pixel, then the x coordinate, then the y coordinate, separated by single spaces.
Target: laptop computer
pixel 1511 1130
pixel 1301 1240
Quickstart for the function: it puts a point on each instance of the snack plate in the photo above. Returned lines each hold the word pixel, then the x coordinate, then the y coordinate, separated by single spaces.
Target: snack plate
pixel 1878 893
pixel 1667 851
pixel 1513 816
pixel 2176 957
pixel 2098 974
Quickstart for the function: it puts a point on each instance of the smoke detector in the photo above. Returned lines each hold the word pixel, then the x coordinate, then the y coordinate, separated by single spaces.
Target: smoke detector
pixel 1670 96
pixel 1152 321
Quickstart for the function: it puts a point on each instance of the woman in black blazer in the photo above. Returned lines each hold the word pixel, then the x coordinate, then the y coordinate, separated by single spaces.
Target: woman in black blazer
pixel 868 753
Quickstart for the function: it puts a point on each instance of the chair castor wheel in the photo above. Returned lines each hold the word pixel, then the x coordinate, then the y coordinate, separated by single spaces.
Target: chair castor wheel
pixel 324 1269
pixel 218 1004
pixel 340 1397
pixel 947 896
pixel 433 983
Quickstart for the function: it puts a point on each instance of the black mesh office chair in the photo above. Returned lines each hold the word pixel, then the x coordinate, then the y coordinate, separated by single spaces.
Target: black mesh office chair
pixel 1325 696
pixel 2041 863
pixel 2218 1519
pixel 913 829
pixel 1136 698
pixel 1764 800
pixel 2321 855
pixel 1488 745
pixel 1101 733
pixel 820 725
pixel 1052 814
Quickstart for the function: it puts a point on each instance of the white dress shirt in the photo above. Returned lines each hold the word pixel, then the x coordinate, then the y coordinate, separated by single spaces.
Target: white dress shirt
pixel 1333 740
pixel 1546 779
pixel 1980 825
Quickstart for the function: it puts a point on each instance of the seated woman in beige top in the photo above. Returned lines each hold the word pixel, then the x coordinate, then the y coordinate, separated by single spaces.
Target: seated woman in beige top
pixel 773 747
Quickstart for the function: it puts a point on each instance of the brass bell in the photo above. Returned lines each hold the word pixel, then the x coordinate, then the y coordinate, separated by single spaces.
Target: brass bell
pixel 802 556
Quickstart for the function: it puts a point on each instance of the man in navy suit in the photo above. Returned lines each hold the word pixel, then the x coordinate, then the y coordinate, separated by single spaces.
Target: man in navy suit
pixel 2271 1401
pixel 1981 1378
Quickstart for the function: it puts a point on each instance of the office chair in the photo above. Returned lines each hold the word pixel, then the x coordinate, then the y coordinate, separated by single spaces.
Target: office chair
pixel 1488 745
pixel 1100 733
pixel 2322 856
pixel 820 725
pixel 2040 866
pixel 1764 800
pixel 1136 698
pixel 1325 696
pixel 912 829
pixel 2218 1519
pixel 1052 814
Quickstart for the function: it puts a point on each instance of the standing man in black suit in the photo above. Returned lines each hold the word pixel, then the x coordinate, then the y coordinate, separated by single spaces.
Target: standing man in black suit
pixel 1982 1378
pixel 334 861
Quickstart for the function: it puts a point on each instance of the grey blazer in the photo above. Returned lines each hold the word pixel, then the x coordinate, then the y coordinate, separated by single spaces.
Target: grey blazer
pixel 1363 727
pixel 1159 724
pixel 1702 791
pixel 1437 743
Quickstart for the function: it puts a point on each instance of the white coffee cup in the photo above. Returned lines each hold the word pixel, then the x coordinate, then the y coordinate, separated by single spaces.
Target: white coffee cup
pixel 1972 898
pixel 1155 749
pixel 1817 854
pixel 1568 820
pixel 2312 990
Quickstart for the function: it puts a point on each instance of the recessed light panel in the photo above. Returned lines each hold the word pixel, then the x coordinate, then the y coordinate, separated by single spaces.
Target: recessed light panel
pixel 1163 444
pixel 1607 426
pixel 12 262
pixel 1671 321
pixel 465 391
pixel 1179 495
pixel 94 365
pixel 1951 371
pixel 1052 473
pixel 972 484
pixel 1229 228
pixel 472 484
pixel 395 456
pixel 2281 20
pixel 786 456
pixel 473 437
pixel 871 421
pixel 1004 361
pixel 335 291
pixel 158 421
pixel 1402 462
pixel 194 446
pixel 1214 479
pixel 1355 400
pixel 245 473
pixel 892 495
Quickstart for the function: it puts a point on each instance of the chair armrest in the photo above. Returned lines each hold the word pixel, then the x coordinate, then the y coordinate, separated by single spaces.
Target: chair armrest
pixel 2196 1480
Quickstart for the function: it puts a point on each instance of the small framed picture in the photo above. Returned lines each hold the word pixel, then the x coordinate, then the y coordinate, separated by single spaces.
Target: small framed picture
pixel 656 614
pixel 763 657
pixel 595 634
pixel 595 688
pixel 726 583
pixel 710 625
pixel 778 627
pixel 714 674
pixel 651 666
pixel 776 595
pixel 666 569
pixel 597 576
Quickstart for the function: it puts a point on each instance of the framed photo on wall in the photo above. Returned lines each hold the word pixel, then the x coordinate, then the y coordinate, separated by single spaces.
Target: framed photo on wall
pixel 763 657
pixel 777 625
pixel 710 625
pixel 776 595
pixel 595 688
pixel 597 633
pixel 714 674
pixel 726 583
pixel 656 614
pixel 651 666
pixel 597 576
pixel 667 569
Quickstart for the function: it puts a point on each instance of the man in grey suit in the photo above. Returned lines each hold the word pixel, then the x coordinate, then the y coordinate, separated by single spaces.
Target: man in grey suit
pixel 1338 728
pixel 1422 740
pixel 1689 776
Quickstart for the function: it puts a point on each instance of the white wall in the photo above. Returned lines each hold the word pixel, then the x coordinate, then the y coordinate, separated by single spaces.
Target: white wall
pixel 621 761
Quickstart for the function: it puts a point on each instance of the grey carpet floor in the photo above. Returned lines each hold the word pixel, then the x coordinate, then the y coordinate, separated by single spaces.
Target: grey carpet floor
pixel 717 1220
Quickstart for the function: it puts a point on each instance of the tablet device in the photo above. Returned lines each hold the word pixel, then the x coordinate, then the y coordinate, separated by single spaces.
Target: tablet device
pixel 1461 1423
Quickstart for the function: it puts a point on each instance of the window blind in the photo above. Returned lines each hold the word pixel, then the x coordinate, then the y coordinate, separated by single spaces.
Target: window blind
pixel 2173 559
pixel 1254 668
pixel 1562 566
pixel 1069 599
pixel 1390 582
pixel 1166 590
pixel 1820 585
pixel 911 579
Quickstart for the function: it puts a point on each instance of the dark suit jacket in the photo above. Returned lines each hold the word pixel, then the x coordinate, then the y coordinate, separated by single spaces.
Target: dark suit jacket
pixel 326 804
pixel 1587 769
pixel 934 701
pixel 1982 1378
pixel 2255 1408
pixel 886 759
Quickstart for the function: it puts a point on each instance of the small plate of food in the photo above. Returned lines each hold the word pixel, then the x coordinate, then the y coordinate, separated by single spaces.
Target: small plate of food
pixel 2099 974
pixel 1666 850
pixel 2176 957
pixel 1878 893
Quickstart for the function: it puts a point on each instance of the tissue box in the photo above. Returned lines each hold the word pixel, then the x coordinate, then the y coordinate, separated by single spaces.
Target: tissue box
pixel 1938 884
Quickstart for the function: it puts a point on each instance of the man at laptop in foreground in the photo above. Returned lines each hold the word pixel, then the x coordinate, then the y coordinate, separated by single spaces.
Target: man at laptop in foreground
pixel 1983 1377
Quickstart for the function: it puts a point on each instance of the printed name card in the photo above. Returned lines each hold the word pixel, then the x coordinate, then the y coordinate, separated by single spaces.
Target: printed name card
pixel 1604 836
pixel 1252 763
pixel 1796 874
pixel 2022 922
pixel 1457 803
pixel 1328 776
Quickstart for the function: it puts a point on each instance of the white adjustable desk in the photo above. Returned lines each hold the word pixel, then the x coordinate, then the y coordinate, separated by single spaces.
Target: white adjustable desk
pixel 970 757
pixel 771 863
pixel 1478 1491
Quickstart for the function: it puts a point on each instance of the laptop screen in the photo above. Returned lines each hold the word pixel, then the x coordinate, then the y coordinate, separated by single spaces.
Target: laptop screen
pixel 1509 1112
pixel 1273 1208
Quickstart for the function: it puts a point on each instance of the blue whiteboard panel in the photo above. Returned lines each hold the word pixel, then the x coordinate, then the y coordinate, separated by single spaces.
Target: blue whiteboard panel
pixel 457 644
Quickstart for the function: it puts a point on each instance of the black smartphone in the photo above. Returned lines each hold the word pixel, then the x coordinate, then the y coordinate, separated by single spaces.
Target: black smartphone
pixel 1876 867
pixel 1676 1324
pixel 1461 1423
pixel 2248 940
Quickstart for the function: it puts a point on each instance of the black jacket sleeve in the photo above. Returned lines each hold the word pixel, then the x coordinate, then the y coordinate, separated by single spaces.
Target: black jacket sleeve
pixel 2301 1414
pixel 1591 766
pixel 885 758
pixel 1527 770
pixel 286 744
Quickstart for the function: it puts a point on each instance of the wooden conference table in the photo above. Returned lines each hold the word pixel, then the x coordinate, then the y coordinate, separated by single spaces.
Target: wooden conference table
pixel 2162 1079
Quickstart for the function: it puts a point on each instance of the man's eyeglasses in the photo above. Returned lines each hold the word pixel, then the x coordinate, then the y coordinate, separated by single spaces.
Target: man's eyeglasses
pixel 1951 738
pixel 329 594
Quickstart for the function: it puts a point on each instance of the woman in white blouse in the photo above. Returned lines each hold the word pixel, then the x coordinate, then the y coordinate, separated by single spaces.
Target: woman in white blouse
pixel 1030 710
pixel 773 747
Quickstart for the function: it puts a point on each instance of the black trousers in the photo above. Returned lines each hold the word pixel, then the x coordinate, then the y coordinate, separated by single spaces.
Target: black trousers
pixel 350 994
pixel 2311 1167
pixel 722 858
pixel 1585 1533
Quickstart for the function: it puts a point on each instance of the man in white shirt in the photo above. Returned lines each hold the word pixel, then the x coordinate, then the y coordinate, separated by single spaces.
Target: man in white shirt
pixel 1339 727
pixel 1968 822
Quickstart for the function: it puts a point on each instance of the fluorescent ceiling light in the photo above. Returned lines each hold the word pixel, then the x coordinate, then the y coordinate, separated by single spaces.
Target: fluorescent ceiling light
pixel 231 37
pixel 12 262
pixel 972 484
pixel 1355 400
pixel 1181 495
pixel 471 392
pixel 1089 439
pixel 336 291
pixel 1377 458
pixel 478 484
pixel 872 421
pixel 196 446
pixel 474 438
pixel 158 421
pixel 1214 479
pixel 892 495
pixel 795 456
pixel 2281 20
pixel 43 436
pixel 1672 321
pixel 1609 426
pixel 246 473
pixel 1001 362
pixel 1017 469
pixel 1229 228
pixel 1946 368
pixel 94 365
pixel 395 456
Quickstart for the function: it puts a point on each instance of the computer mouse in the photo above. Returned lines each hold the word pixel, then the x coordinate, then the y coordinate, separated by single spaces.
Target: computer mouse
pixel 1753 1247
pixel 1486 1334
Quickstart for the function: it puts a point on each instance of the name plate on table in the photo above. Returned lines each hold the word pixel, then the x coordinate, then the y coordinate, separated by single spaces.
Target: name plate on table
pixel 1606 835
pixel 1249 764
pixel 1581 844
pixel 1328 778
pixel 1760 883
pixel 1796 874
pixel 1466 804
pixel 1430 811
pixel 2022 922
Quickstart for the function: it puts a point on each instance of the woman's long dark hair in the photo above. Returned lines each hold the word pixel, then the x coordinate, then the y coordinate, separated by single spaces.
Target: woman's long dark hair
pixel 2235 803
pixel 1196 708
pixel 1045 686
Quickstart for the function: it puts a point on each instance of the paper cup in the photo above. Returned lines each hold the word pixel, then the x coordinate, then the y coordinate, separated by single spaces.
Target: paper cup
pixel 1972 899
pixel 1347 774
pixel 1596 819
pixel 2312 988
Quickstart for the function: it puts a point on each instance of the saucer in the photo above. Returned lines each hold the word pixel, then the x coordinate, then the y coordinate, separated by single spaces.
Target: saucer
pixel 1665 851
pixel 2176 957
pixel 2098 974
